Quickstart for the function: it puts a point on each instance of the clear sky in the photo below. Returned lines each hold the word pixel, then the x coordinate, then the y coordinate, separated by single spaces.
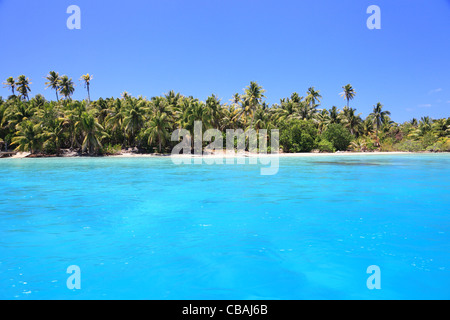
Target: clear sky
pixel 200 47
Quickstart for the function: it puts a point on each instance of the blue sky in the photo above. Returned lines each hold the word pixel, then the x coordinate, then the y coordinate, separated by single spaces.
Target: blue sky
pixel 200 47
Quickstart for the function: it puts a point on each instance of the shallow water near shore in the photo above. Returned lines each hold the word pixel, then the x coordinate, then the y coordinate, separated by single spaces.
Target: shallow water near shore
pixel 144 228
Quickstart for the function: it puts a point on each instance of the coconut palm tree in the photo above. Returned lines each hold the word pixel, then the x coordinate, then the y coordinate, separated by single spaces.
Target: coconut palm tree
pixel 334 115
pixel 351 120
pixel 23 86
pixel 313 97
pixel 231 118
pixel 441 127
pixel 368 126
pixel 18 112
pixel 261 120
pixel 322 119
pixel 66 87
pixel 10 83
pixel 73 115
pixel 55 134
pixel 215 109
pixel 93 133
pixel 53 82
pixel 253 95
pixel 236 99
pixel 158 129
pixel 425 126
pixel 134 117
pixel 87 82
pixel 28 137
pixel 348 93
pixel 379 116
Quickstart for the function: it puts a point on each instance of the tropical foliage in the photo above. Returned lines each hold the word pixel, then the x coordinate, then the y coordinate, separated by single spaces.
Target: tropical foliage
pixel 105 126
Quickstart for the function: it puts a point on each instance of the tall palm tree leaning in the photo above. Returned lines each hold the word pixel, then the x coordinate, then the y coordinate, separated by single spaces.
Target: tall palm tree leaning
pixel 378 116
pixel 11 84
pixel 53 82
pixel 23 86
pixel 349 93
pixel 66 87
pixel 87 82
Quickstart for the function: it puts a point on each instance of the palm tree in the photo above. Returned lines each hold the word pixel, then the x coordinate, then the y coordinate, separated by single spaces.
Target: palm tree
pixel 192 111
pixel 23 86
pixel 322 119
pixel 53 82
pixel 313 97
pixel 231 118
pixel 253 96
pixel 74 112
pixel 215 110
pixel 134 118
pixel 334 115
pixel 261 120
pixel 66 87
pixel 425 126
pixel 11 84
pixel 114 119
pixel 351 120
pixel 379 116
pixel 28 137
pixel 93 133
pixel 349 93
pixel 17 113
pixel 441 127
pixel 158 129
pixel 236 99
pixel 87 82
pixel 306 111
pixel 368 126
pixel 55 134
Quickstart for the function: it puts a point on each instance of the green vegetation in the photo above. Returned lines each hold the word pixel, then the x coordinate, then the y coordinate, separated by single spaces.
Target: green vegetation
pixel 338 136
pixel 106 126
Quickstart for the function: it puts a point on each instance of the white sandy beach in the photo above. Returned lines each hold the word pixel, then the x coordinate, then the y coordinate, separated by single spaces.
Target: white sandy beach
pixel 128 154
pixel 247 154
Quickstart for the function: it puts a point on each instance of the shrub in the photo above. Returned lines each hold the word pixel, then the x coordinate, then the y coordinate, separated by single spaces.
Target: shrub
pixel 111 149
pixel 325 146
pixel 408 146
pixel 428 140
pixel 298 136
pixel 442 145
pixel 339 136
pixel 49 147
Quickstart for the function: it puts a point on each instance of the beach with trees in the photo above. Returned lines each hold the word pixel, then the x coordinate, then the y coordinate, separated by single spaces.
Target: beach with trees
pixel 107 126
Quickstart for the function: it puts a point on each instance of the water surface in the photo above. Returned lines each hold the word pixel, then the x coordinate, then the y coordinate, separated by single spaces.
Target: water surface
pixel 144 228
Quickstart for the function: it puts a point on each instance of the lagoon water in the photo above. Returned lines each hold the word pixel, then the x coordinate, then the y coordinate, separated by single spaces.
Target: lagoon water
pixel 144 228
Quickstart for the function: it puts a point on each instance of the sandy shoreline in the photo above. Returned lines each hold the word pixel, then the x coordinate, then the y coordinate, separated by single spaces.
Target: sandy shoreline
pixel 125 154
pixel 253 155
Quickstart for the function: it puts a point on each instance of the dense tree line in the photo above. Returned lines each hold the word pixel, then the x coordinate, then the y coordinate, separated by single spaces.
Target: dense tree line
pixel 105 126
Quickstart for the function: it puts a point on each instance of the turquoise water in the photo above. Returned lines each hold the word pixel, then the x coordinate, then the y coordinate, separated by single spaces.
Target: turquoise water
pixel 144 228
